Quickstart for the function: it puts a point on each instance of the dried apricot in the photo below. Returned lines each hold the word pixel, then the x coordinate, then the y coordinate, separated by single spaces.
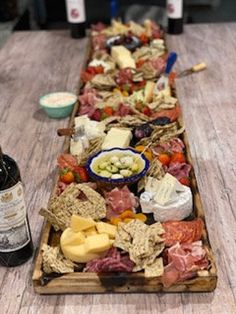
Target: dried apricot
pixel 127 214
pixel 141 217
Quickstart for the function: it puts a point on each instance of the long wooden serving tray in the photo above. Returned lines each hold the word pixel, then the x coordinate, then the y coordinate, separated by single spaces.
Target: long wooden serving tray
pixel 79 282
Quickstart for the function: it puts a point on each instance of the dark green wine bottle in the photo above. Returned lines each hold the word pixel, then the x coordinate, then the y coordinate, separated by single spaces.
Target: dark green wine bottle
pixel 15 238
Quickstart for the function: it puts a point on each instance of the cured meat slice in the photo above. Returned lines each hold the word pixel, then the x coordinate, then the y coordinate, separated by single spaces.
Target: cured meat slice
pixel 175 145
pixel 182 231
pixel 184 260
pixel 114 261
pixel 179 170
pixel 172 114
pixel 67 161
pixel 119 200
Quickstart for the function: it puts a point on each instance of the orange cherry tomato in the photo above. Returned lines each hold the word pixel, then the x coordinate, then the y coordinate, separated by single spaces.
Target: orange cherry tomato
pixel 108 110
pixel 178 157
pixel 67 176
pixel 164 159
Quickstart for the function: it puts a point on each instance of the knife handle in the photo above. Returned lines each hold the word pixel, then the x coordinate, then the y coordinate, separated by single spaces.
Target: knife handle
pixel 170 62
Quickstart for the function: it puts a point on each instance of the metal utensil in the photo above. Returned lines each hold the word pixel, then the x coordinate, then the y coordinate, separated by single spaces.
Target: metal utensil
pixel 163 81
pixel 196 68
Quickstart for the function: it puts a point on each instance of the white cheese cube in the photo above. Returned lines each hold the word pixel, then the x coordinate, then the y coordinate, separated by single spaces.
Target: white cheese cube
pixel 117 138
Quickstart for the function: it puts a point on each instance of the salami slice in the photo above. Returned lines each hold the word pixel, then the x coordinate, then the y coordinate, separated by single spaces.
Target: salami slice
pixel 182 231
pixel 173 114
pixel 67 161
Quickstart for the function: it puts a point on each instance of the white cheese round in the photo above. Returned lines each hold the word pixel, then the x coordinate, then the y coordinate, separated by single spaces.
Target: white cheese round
pixel 177 209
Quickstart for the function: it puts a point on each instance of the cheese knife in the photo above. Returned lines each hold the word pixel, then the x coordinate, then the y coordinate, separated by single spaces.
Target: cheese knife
pixel 163 81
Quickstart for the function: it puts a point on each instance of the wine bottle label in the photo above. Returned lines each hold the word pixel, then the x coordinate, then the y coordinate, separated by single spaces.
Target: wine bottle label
pixel 14 231
pixel 175 9
pixel 75 11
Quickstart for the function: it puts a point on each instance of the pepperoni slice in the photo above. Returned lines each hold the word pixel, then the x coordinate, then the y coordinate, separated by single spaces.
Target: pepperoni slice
pixel 67 161
pixel 182 231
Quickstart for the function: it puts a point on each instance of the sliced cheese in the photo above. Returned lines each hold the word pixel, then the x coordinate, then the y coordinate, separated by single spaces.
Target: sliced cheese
pixel 103 227
pixel 148 91
pixel 117 138
pixel 79 223
pixel 97 243
pixel 122 57
pixel 69 237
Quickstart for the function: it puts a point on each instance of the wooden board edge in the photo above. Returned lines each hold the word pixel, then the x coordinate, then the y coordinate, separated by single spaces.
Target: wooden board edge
pixel 90 283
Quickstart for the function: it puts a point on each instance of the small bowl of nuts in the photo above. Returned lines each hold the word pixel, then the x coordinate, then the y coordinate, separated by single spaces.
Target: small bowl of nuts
pixel 117 166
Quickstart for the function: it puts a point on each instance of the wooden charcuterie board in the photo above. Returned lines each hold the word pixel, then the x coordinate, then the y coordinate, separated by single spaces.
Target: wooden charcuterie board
pixel 80 282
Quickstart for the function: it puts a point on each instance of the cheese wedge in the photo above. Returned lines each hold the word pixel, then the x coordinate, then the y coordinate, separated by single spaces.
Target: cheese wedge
pixel 122 57
pixel 117 138
pixel 69 237
pixel 103 227
pixel 148 91
pixel 90 231
pixel 97 243
pixel 79 223
pixel 167 189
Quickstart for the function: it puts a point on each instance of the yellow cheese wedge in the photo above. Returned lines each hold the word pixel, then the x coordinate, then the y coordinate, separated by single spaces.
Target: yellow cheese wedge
pixel 69 237
pixel 79 223
pixel 90 231
pixel 122 57
pixel 148 91
pixel 78 253
pixel 103 227
pixel 97 243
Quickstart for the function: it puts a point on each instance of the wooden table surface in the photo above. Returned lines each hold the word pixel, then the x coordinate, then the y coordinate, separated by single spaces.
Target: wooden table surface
pixel 34 63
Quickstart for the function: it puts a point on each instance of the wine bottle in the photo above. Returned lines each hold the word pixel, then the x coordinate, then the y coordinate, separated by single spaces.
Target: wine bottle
pixel 76 17
pixel 15 238
pixel 175 16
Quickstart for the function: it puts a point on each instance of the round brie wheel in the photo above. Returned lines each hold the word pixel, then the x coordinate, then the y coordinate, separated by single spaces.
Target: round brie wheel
pixel 179 209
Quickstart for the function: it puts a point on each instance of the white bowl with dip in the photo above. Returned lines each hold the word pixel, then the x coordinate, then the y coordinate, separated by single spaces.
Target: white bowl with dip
pixel 58 105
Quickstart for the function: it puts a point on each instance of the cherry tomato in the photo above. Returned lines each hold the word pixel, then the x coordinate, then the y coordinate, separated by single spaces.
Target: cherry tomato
pixel 108 111
pixel 81 174
pixel 139 63
pixel 178 157
pixel 164 159
pixel 185 181
pixel 147 111
pixel 67 176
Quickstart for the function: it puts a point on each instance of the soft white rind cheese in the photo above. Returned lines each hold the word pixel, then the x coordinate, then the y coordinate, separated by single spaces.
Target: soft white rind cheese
pixel 117 138
pixel 92 129
pixel 167 199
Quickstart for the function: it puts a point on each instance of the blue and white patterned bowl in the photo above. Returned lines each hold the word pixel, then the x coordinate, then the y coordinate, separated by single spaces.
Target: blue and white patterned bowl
pixel 116 151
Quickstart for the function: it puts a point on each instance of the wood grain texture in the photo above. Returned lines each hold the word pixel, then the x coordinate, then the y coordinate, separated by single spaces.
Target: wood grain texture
pixel 28 67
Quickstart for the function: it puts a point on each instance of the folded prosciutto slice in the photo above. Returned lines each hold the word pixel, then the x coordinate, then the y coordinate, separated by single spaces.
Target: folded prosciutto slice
pixel 184 260
pixel 179 170
pixel 119 200
pixel 175 145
